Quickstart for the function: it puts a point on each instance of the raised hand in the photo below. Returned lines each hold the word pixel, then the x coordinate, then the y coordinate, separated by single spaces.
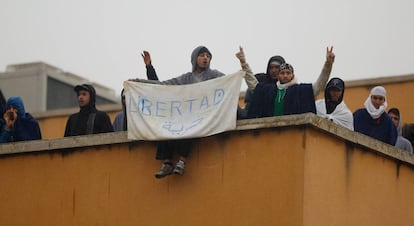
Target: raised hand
pixel 330 55
pixel 10 117
pixel 146 57
pixel 240 55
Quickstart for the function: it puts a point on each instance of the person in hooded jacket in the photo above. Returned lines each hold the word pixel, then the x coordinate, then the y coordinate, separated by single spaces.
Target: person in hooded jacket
pixel 402 142
pixel 285 97
pixel 333 106
pixel 270 76
pixel 88 120
pixel 19 125
pixel 372 120
pixel 200 71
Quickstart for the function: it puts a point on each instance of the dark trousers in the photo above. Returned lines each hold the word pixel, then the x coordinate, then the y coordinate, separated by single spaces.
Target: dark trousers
pixel 166 149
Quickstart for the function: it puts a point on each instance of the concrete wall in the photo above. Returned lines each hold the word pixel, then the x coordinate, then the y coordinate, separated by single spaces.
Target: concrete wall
pixel 291 170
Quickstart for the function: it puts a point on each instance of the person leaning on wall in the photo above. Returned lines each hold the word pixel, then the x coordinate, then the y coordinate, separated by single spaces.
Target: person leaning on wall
pixel 88 120
pixel 372 120
pixel 18 125
pixel 401 143
pixel 285 96
pixel 333 107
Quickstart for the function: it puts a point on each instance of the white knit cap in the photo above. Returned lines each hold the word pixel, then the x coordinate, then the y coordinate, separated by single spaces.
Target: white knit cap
pixel 378 91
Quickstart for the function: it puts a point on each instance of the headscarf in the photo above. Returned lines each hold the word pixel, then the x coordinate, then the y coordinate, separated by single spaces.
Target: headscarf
pixel 377 91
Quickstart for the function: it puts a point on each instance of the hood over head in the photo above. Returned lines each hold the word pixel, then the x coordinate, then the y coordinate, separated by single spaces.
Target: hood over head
pixel 91 91
pixel 333 83
pixel 17 103
pixel 274 60
pixel 396 112
pixel 197 51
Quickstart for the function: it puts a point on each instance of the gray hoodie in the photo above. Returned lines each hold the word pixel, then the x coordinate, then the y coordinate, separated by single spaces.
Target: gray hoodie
pixel 192 77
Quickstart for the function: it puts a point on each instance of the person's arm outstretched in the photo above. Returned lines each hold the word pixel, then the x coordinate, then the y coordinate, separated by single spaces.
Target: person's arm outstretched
pixel 320 83
pixel 151 74
pixel 250 79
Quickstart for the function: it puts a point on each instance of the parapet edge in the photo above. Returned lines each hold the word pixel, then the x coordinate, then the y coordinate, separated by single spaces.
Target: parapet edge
pixel 307 120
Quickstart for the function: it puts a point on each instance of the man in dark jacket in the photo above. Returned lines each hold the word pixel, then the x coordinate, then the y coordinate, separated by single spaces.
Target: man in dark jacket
pixel 19 125
pixel 287 97
pixel 270 76
pixel 88 120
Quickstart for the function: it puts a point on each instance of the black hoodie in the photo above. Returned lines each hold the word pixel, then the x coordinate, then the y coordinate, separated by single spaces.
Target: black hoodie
pixel 331 105
pixel 88 120
pixel 265 77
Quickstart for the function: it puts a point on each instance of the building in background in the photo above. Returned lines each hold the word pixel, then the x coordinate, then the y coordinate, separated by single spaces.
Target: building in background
pixel 44 87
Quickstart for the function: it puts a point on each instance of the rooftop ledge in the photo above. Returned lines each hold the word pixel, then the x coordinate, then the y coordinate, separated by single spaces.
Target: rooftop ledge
pixel 301 120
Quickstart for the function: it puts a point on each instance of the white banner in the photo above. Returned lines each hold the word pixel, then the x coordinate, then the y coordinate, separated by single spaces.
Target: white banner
pixel 160 112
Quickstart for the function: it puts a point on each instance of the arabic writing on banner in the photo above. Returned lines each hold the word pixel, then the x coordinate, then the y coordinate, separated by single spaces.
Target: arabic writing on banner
pixel 159 112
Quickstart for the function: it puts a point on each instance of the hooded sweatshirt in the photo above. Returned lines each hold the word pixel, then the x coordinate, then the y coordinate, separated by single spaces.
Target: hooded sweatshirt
pixel 402 142
pixel 25 128
pixel 193 77
pixel 336 111
pixel 265 77
pixel 88 120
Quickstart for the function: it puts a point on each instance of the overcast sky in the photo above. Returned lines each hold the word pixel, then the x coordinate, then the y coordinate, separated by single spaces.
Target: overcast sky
pixel 101 40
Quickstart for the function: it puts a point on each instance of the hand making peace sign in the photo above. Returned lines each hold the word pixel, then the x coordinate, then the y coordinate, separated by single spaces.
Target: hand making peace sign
pixel 330 55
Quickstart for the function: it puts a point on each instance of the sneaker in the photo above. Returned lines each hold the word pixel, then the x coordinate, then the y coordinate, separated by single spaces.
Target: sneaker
pixel 179 167
pixel 166 169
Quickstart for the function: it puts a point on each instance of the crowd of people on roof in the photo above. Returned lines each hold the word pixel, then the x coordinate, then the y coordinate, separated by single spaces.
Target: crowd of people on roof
pixel 273 93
